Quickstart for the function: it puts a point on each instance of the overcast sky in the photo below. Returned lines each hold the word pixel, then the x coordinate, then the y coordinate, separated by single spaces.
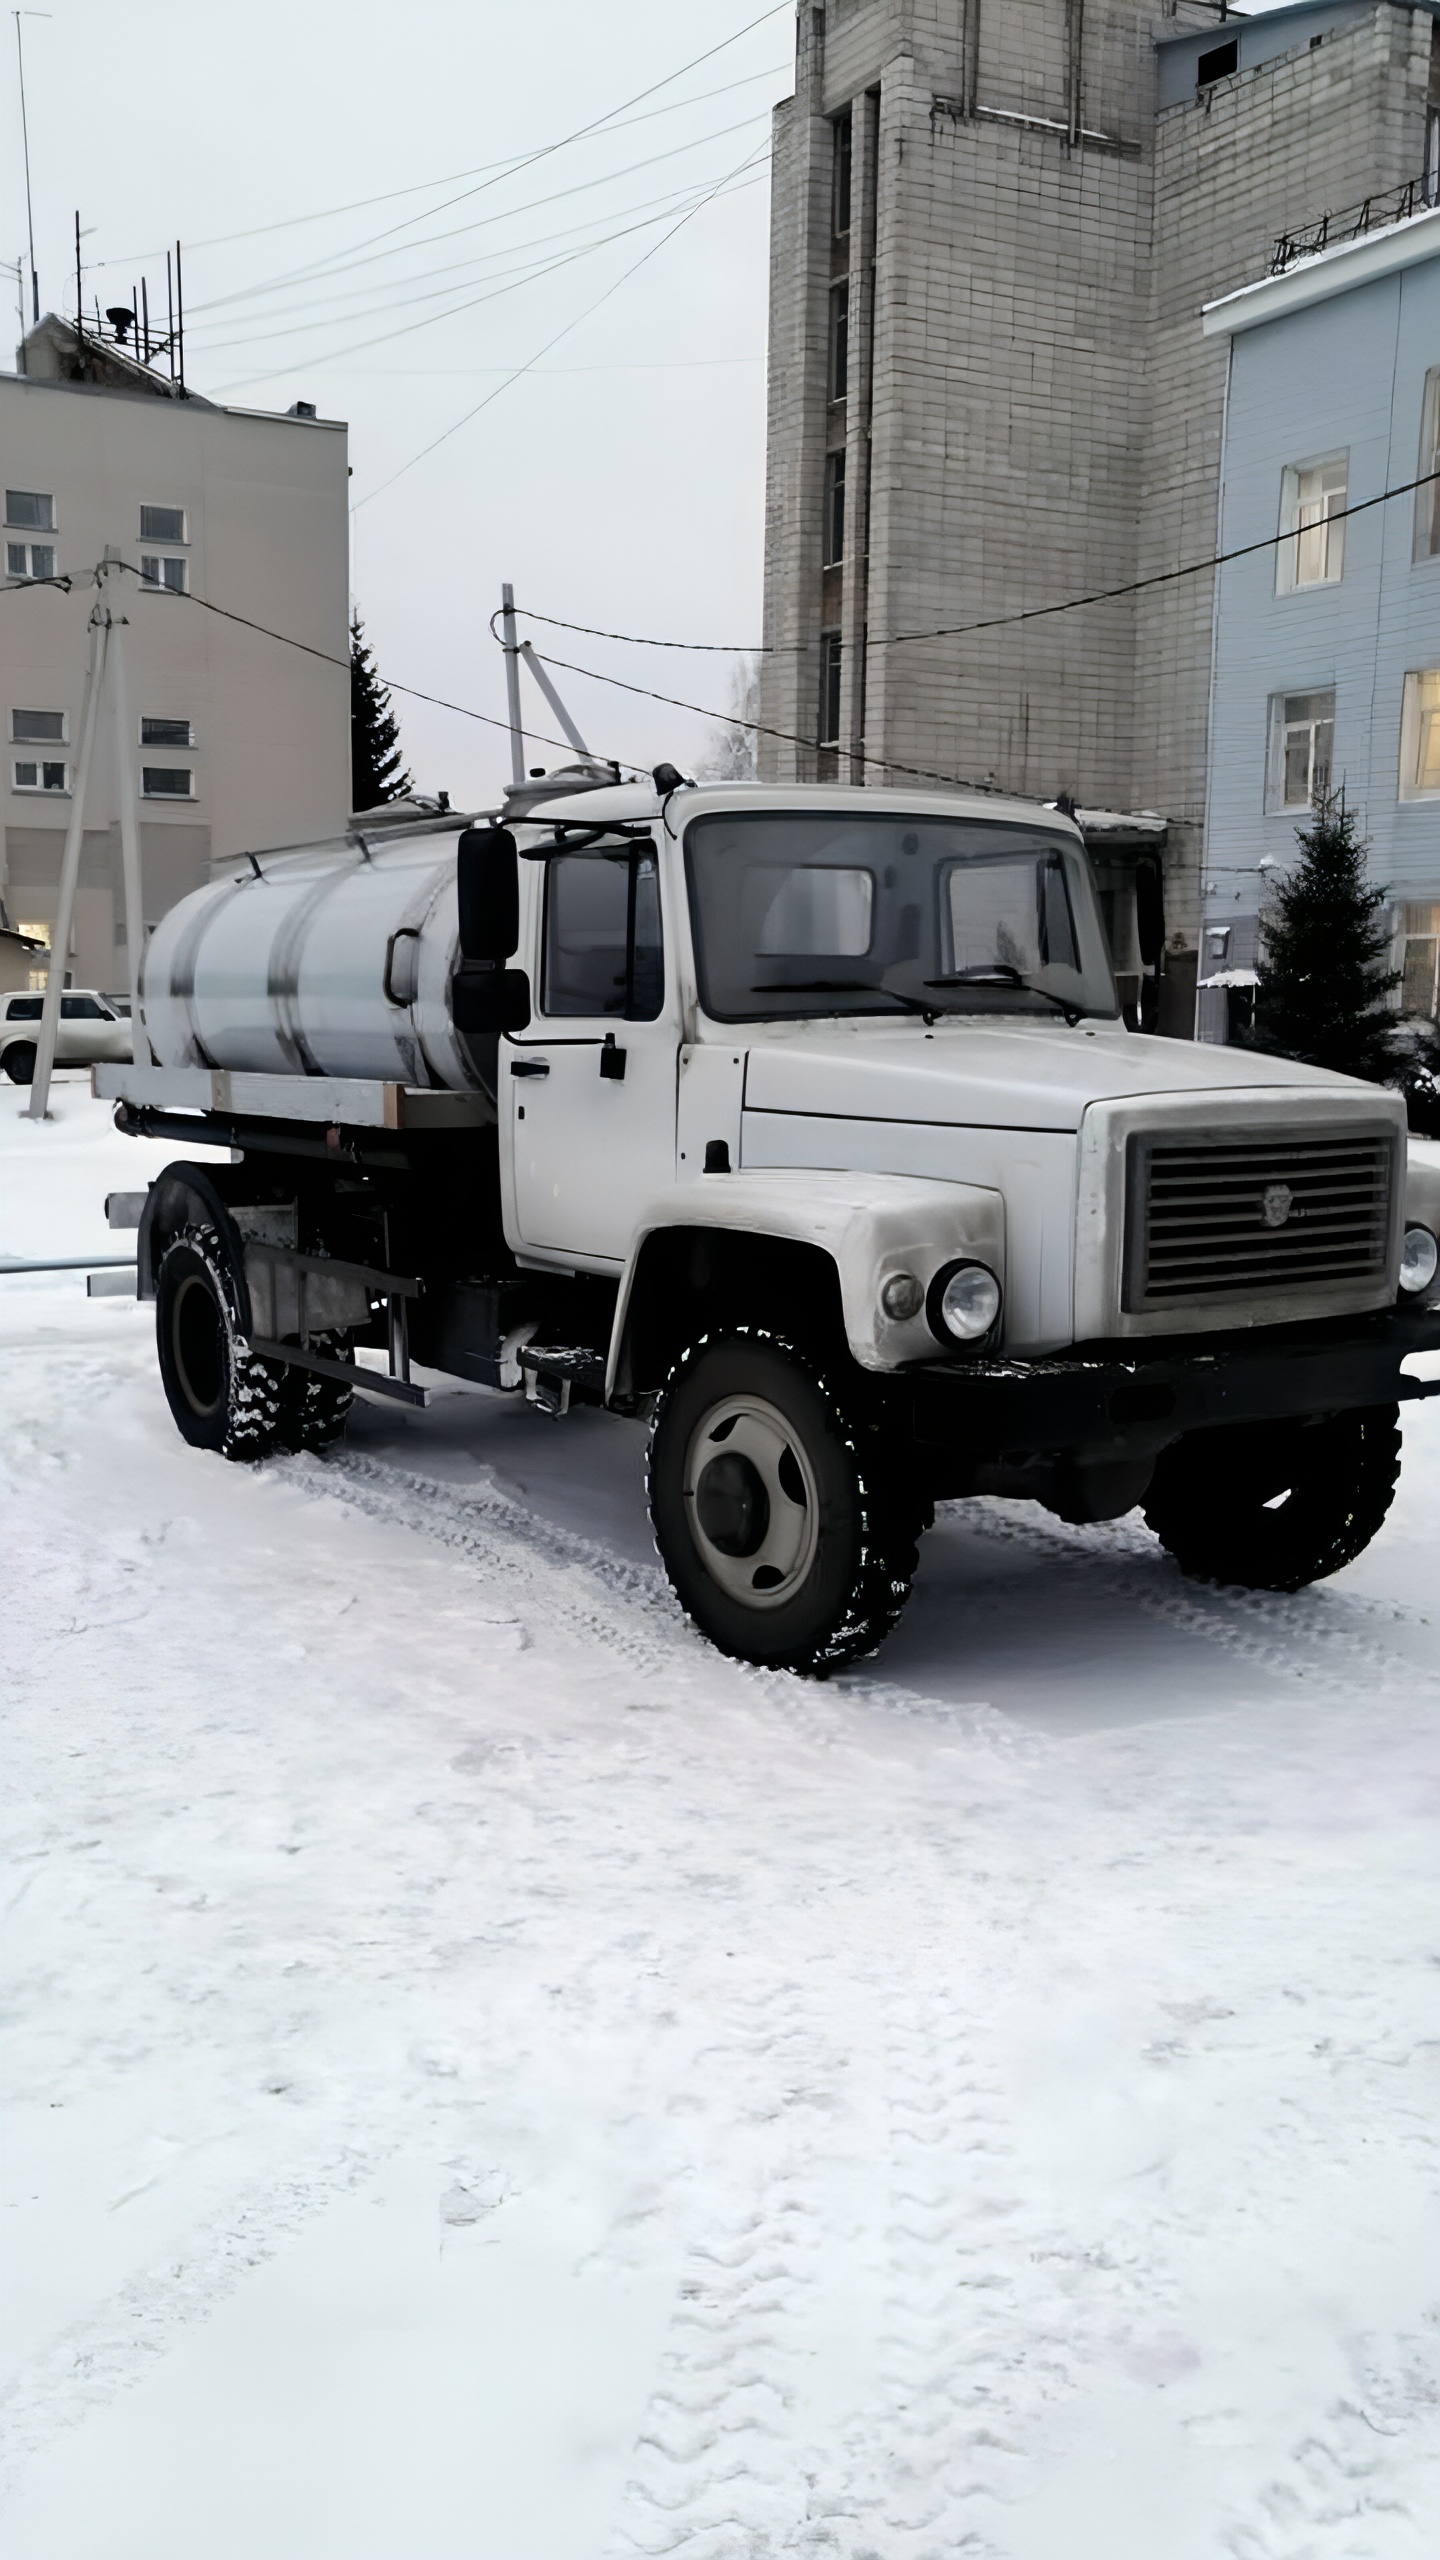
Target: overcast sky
pixel 620 480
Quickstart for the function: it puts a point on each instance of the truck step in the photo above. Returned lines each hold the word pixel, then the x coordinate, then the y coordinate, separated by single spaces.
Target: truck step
pixel 556 1373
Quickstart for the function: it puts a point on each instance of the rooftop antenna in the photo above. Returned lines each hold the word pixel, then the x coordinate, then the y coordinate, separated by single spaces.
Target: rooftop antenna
pixel 169 315
pixel 180 314
pixel 17 15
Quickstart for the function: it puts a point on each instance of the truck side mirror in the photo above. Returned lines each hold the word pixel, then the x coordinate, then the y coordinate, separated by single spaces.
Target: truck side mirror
pixel 487 882
pixel 485 997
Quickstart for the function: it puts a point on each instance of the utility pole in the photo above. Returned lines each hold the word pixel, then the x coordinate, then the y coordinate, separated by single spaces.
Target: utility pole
pixel 512 683
pixel 105 667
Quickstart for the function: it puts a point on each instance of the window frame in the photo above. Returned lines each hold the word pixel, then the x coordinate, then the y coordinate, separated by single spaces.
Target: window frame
pixel 831 706
pixel 40 766
pixel 164 584
pixel 148 793
pixel 158 719
pixel 29 575
pixel 168 541
pixel 24 738
pixel 1412 930
pixel 1412 793
pixel 631 854
pixel 1289 552
pixel 832 530
pixel 1279 724
pixel 21 524
pixel 1425 545
pixel 837 343
pixel 841 175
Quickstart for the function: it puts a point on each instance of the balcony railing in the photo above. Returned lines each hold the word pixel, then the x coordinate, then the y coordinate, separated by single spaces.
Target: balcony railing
pixel 1395 204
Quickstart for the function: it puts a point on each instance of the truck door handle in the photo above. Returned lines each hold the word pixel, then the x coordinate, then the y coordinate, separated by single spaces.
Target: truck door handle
pixel 529 1066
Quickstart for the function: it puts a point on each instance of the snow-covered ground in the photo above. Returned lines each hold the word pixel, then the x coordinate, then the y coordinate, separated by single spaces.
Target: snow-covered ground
pixel 489 2080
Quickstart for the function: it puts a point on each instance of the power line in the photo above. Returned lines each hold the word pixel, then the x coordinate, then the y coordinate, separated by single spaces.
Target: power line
pixel 551 343
pixel 610 177
pixel 328 658
pixel 475 302
pixel 425 186
pixel 991 622
pixel 400 294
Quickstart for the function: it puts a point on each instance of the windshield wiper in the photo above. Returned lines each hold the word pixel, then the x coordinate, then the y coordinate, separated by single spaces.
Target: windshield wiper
pixel 1000 973
pixel 846 987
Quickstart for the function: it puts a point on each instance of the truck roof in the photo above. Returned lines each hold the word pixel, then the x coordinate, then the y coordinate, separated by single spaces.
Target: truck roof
pixel 632 801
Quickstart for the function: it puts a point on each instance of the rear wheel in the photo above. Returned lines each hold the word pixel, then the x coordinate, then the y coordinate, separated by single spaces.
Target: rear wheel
pixel 779 1522
pixel 221 1396
pixel 1274 1505
pixel 314 1410
pixel 20 1062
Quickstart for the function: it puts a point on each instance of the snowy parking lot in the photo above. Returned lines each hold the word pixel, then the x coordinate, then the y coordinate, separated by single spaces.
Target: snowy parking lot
pixel 489 2079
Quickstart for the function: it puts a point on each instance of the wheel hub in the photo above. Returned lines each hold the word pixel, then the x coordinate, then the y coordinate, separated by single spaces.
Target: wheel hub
pixel 752 1501
pixel 195 1334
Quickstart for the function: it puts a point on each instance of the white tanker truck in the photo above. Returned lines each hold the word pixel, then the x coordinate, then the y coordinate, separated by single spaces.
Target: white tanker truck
pixel 801 1124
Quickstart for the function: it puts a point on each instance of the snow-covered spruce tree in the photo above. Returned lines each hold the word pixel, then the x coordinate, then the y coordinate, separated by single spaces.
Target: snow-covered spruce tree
pixel 375 763
pixel 1323 980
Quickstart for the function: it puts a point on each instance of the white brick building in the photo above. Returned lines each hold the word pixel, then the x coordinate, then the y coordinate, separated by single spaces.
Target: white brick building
pixel 238 742
pixel 995 225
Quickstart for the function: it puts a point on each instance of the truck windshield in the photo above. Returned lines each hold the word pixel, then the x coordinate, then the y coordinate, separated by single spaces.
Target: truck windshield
pixel 833 913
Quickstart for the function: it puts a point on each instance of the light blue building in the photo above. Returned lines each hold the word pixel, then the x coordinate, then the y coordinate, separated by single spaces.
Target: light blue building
pixel 1326 667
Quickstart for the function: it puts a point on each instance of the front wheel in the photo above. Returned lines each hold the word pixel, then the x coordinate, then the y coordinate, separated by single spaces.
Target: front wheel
pixel 1274 1505
pixel 780 1525
pixel 20 1062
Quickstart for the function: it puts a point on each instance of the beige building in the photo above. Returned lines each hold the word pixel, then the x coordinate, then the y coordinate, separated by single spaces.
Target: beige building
pixel 995 224
pixel 238 742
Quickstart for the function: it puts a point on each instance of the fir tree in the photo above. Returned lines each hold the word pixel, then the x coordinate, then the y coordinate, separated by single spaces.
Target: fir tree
pixel 375 764
pixel 1323 980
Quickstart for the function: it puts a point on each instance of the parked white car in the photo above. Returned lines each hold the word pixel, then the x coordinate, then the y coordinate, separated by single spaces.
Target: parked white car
pixel 90 1033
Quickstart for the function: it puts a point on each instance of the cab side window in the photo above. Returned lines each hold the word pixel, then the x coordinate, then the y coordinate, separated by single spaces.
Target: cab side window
pixel 603 952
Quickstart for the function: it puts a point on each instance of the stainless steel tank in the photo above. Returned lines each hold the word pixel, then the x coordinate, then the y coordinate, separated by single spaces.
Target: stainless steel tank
pixel 335 960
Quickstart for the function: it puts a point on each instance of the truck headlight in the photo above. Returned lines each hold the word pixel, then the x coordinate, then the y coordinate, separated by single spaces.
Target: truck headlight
pixel 964 1302
pixel 1418 1256
pixel 902 1297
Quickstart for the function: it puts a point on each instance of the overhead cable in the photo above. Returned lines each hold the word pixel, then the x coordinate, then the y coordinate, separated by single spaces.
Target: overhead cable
pixel 990 622
pixel 551 343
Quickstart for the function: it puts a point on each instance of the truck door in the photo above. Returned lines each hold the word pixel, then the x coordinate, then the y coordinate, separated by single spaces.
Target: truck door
pixel 591 1082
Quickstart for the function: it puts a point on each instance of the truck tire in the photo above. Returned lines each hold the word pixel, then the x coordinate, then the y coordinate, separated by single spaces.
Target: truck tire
pixel 221 1396
pixel 1274 1505
pixel 782 1530
pixel 20 1062
pixel 314 1410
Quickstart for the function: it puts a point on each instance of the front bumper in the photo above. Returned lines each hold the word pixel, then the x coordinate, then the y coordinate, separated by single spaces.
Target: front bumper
pixel 1092 1402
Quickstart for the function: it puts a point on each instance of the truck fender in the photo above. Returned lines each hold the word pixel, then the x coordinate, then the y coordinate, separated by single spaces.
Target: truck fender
pixel 187 1195
pixel 863 1229
pixel 1422 1184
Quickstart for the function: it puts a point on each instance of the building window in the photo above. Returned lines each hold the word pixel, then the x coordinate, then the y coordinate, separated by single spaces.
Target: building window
pixel 839 359
pixel 167 782
pixel 32 510
pixel 30 559
pixel 38 728
pixel 829 689
pixel 840 185
pixel 1432 156
pixel 1420 960
pixel 1427 496
pixel 158 732
pixel 158 571
pixel 1302 748
pixel 1312 519
pixel 1218 63
pixel 1420 736
pixel 39 774
pixel 834 534
pixel 162 524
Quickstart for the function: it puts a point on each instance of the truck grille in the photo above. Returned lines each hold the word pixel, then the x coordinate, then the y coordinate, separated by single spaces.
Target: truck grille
pixel 1240 1217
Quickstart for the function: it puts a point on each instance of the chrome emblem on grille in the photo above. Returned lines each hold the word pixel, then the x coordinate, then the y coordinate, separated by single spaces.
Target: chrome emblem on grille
pixel 1276 1202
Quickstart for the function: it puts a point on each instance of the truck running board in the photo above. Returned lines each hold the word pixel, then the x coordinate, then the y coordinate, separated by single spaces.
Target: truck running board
pixel 366 1382
pixel 553 1372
